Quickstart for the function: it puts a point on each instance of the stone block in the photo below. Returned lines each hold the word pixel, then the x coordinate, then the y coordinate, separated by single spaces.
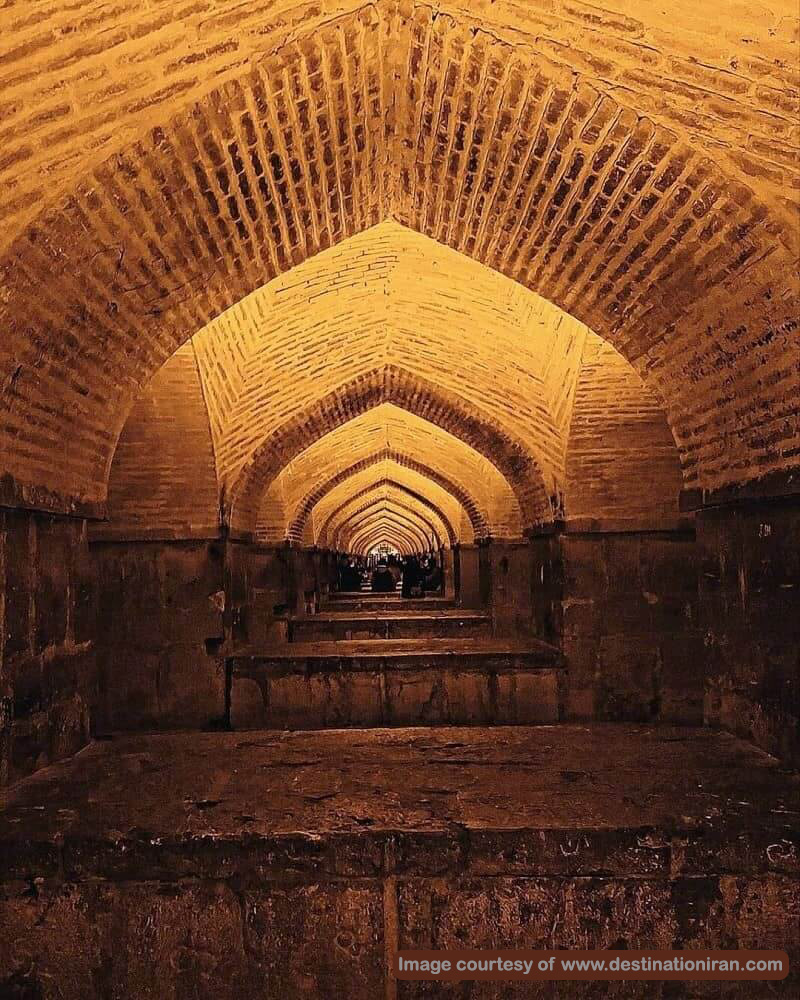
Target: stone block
pixel 191 687
pixel 526 698
pixel 627 687
pixel 54 544
pixel 315 942
pixel 248 709
pixel 322 700
pixel 468 698
pixel 19 583
pixel 416 697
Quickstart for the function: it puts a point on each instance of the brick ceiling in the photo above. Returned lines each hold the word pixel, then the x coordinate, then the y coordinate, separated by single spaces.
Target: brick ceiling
pixel 312 521
pixel 388 494
pixel 438 208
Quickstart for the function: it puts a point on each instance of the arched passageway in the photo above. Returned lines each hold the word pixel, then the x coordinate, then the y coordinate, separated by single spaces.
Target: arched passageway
pixel 495 302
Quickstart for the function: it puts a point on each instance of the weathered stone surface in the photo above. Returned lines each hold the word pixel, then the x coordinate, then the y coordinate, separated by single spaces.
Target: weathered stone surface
pixel 596 913
pixel 631 630
pixel 750 614
pixel 157 623
pixel 47 656
pixel 332 625
pixel 276 865
pixel 561 800
pixel 396 682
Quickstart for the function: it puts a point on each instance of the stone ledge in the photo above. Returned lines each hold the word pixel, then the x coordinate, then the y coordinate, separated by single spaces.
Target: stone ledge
pixel 393 682
pixel 356 625
pixel 568 801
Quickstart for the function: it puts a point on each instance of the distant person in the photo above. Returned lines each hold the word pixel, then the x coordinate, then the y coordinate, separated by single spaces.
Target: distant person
pixel 349 576
pixel 433 578
pixel 412 577
pixel 394 569
pixel 382 579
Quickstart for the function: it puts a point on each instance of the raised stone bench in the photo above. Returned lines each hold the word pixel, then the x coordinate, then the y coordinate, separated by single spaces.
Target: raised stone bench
pixel 223 866
pixel 385 602
pixel 394 682
pixel 336 625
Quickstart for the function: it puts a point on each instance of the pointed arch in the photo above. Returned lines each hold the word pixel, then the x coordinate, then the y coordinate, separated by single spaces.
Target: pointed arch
pixel 391 384
pixel 415 542
pixel 328 526
pixel 477 517
pixel 378 507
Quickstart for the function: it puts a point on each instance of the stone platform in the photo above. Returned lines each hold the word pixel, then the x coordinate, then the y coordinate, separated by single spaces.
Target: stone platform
pixel 279 866
pixel 354 601
pixel 395 682
pixel 349 625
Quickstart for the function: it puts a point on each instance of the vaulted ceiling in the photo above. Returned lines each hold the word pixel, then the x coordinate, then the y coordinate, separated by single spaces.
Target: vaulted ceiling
pixel 540 258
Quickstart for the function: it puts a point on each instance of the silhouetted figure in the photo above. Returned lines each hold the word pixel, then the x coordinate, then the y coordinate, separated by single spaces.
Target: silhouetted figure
pixel 349 576
pixel 412 577
pixel 433 579
pixel 382 579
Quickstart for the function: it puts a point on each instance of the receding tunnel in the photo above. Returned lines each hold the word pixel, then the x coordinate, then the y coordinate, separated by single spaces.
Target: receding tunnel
pixel 399 463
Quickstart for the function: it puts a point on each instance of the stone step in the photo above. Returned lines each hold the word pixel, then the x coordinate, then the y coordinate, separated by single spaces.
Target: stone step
pixel 349 625
pixel 150 863
pixel 385 602
pixel 395 682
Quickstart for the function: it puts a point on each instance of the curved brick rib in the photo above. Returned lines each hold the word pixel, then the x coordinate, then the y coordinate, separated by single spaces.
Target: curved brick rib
pixel 618 219
pixel 405 505
pixel 423 533
pixel 393 385
pixel 297 525
pixel 385 533
pixel 352 541
pixel 331 523
pixel 136 64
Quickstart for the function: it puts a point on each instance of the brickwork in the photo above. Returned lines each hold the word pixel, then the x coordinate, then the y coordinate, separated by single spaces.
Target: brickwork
pixel 509 138
pixel 328 513
pixel 418 446
pixel 372 519
pixel 621 460
pixel 390 384
pixel 388 296
pixel 313 515
pixel 382 525
pixel 163 480
pixel 403 496
pixel 543 255
pixel 432 532
pixel 726 78
pixel 375 505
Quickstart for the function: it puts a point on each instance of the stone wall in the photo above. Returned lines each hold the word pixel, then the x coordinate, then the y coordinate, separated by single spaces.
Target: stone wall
pixel 630 626
pixel 655 626
pixel 159 627
pixel 261 577
pixel 47 656
pixel 750 617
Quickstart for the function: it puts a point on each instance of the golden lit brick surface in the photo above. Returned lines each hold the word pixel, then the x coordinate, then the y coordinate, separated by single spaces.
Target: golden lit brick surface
pixel 722 74
pixel 347 513
pixel 348 206
pixel 163 479
pixel 428 532
pixel 418 446
pixel 402 478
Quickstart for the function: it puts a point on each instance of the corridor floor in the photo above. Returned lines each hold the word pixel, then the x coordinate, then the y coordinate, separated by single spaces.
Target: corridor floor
pixel 296 864
pixel 174 792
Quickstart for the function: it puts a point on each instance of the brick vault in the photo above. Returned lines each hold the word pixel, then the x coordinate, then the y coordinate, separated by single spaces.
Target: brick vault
pixel 513 285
